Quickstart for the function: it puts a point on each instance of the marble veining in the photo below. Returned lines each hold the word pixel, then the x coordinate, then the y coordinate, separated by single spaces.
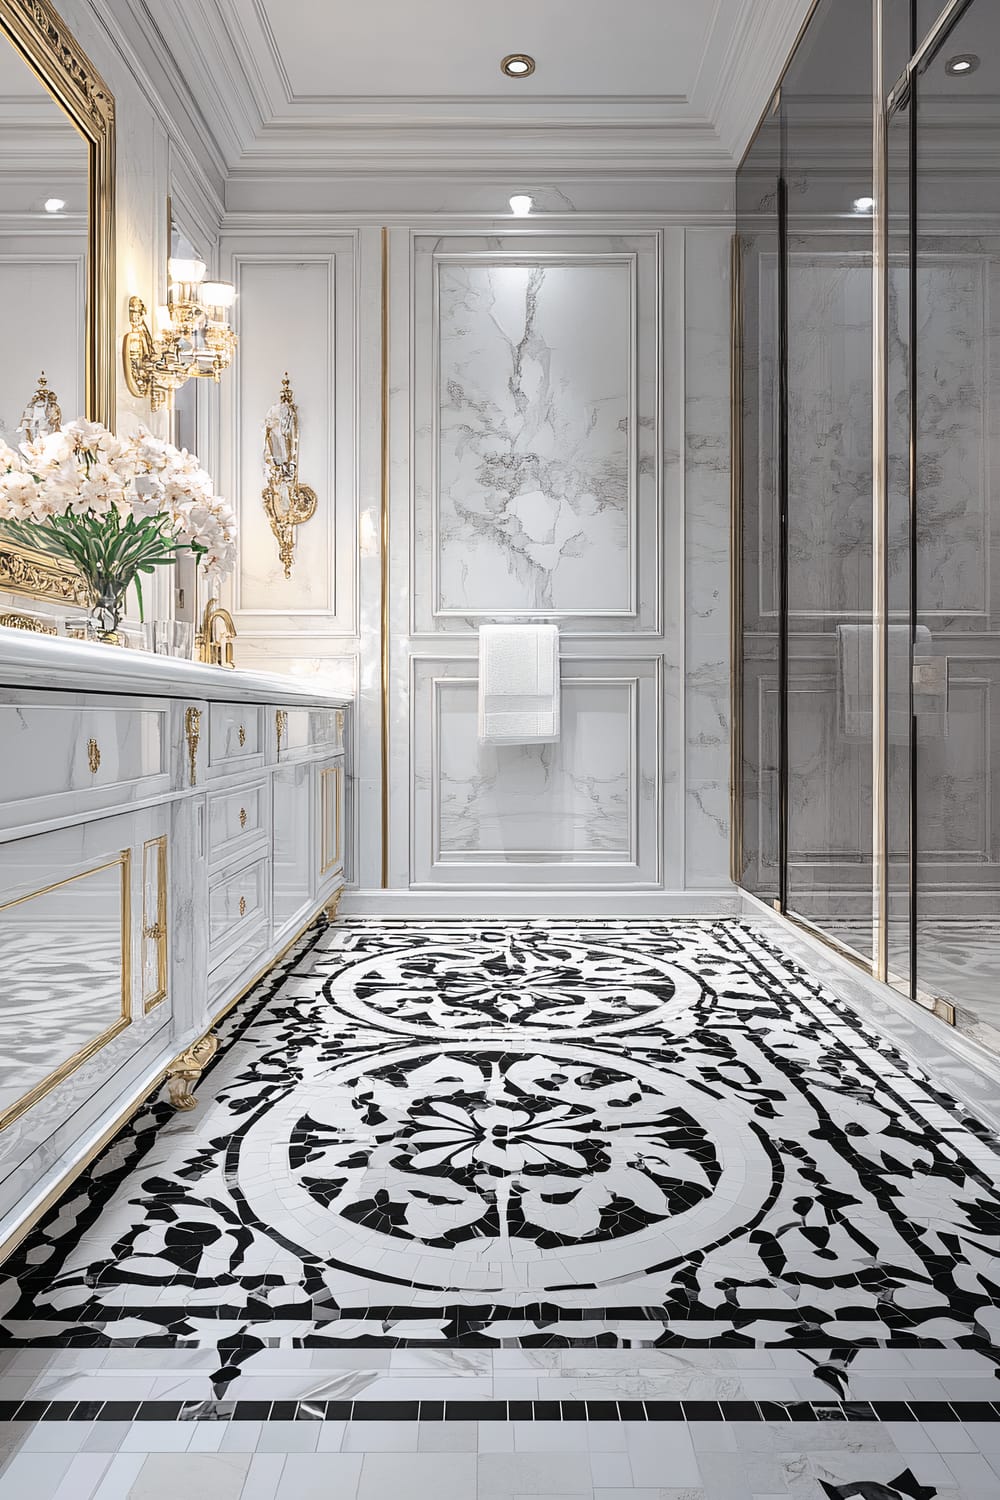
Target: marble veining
pixel 536 447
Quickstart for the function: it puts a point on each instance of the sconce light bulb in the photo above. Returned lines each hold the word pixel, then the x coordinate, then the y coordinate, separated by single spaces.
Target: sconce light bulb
pixel 185 270
pixel 54 205
pixel 521 205
pixel 164 321
pixel 218 293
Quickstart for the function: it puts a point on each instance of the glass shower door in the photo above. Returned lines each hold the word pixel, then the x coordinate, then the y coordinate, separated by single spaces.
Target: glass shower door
pixel 956 621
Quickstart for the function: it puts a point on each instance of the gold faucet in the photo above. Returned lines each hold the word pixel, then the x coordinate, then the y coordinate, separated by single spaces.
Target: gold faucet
pixel 210 647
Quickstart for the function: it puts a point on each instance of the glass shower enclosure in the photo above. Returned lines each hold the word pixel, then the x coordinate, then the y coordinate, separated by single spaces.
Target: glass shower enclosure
pixel 866 423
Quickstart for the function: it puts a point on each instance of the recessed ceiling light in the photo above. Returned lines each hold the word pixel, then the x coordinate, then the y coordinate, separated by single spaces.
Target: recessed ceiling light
pixel 965 62
pixel 54 205
pixel 863 205
pixel 520 205
pixel 517 65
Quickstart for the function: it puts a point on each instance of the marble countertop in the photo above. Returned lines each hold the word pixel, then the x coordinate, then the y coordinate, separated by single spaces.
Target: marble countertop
pixel 28 660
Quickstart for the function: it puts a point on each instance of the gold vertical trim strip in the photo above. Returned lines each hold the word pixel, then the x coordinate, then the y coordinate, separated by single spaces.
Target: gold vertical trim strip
pixel 385 557
pixel 880 807
pixel 736 566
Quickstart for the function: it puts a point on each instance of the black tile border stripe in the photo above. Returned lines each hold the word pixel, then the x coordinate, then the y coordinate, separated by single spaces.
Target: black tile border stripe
pixel 500 1411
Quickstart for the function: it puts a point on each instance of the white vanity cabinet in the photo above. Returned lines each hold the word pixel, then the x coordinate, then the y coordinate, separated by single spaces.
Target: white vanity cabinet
pixel 166 832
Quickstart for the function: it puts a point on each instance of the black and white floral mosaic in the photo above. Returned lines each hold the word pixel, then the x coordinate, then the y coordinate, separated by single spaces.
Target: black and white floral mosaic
pixel 537 1134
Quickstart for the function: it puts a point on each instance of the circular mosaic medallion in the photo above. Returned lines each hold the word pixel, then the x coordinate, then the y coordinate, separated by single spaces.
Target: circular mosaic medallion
pixel 491 1170
pixel 535 981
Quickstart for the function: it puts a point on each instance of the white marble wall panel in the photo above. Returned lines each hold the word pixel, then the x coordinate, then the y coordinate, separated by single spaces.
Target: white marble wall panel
pixel 706 556
pixel 534 387
pixel 584 810
pixel 535 440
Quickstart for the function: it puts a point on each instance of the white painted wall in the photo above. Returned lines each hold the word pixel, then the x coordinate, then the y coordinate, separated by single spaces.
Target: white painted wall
pixel 631 807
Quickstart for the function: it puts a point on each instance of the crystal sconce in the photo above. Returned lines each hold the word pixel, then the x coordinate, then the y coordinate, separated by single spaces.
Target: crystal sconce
pixel 193 338
pixel 287 502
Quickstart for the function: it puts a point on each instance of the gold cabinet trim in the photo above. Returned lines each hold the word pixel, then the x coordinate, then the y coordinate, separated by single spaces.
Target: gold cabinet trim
pixel 65 1068
pixel 156 930
pixel 242 735
pixel 93 756
pixel 243 817
pixel 329 861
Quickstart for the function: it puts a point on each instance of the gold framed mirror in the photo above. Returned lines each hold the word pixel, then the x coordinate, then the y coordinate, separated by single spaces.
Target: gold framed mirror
pixel 57 245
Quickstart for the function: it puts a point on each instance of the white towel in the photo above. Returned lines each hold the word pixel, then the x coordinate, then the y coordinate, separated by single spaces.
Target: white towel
pixel 855 644
pixel 518 684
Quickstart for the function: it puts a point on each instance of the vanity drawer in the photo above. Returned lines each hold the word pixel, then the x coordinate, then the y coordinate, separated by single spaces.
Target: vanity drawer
pixel 234 735
pixel 301 730
pixel 237 904
pixel 60 757
pixel 236 820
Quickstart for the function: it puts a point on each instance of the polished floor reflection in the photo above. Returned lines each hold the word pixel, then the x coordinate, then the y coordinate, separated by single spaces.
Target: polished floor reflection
pixel 548 1207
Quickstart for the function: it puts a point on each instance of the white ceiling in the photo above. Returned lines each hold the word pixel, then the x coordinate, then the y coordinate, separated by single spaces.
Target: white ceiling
pixel 327 85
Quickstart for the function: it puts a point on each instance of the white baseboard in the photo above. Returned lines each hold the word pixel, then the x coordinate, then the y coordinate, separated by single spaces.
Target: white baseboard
pixel 725 902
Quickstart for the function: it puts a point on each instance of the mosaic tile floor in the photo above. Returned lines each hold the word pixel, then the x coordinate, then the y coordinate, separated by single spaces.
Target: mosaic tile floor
pixel 533 1186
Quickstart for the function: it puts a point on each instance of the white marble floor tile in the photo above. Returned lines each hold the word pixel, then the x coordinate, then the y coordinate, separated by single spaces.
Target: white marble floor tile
pixel 420 1476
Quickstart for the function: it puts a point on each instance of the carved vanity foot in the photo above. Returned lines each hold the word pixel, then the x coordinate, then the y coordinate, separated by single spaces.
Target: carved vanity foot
pixel 333 906
pixel 185 1071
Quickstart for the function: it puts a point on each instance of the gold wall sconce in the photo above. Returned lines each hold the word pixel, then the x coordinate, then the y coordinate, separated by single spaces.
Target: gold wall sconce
pixel 287 503
pixel 194 336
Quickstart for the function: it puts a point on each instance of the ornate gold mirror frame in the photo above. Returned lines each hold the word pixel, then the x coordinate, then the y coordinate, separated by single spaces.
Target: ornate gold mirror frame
pixel 52 53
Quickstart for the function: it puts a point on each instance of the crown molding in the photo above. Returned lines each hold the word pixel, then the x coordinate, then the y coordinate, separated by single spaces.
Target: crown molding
pixel 126 31
pixel 760 46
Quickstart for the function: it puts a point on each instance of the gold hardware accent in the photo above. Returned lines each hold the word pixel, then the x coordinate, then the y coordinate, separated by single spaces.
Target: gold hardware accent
pixel 14 620
pixel 243 906
pixel 243 736
pixel 340 721
pixel 287 503
pixel 192 732
pixel 327 859
pixel 42 415
pixel 333 905
pixel 40 36
pixel 243 817
pixel 64 1069
pixel 280 725
pixel 93 756
pixel 209 648
pixel 155 851
pixel 185 1071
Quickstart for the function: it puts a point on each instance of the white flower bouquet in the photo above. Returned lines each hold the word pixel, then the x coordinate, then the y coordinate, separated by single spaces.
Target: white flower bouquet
pixel 113 507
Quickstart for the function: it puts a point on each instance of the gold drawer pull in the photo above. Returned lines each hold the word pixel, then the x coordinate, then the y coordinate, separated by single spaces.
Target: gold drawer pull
pixel 243 736
pixel 154 932
pixel 280 724
pixel 243 906
pixel 93 756
pixel 243 817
